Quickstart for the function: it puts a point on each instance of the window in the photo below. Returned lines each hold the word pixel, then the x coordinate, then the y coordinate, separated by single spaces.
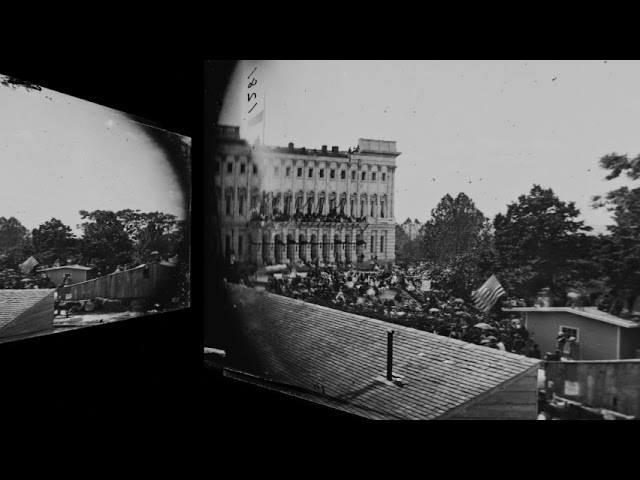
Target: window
pixel 229 167
pixel 343 174
pixel 240 245
pixel 364 176
pixel 311 173
pixel 568 333
pixel 66 275
pixel 384 177
pixel 373 177
pixel 227 200
pixel 373 207
pixel 276 171
pixel 242 167
pixel 227 245
pixel 321 173
pixel 353 175
pixel 382 202
pixel 288 171
pixel 382 244
pixel 373 238
pixel 299 172
pixel 255 169
pixel 333 174
pixel 241 205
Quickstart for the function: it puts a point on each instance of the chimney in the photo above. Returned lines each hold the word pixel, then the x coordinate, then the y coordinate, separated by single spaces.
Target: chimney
pixel 389 354
pixel 324 149
pixel 290 145
pixel 334 150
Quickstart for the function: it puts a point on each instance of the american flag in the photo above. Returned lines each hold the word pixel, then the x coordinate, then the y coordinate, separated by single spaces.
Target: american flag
pixel 28 265
pixel 487 295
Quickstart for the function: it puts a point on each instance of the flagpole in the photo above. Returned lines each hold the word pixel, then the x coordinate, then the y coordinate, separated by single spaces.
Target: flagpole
pixel 264 118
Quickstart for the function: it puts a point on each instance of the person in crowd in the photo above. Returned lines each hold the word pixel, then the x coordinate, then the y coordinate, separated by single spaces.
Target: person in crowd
pixel 534 351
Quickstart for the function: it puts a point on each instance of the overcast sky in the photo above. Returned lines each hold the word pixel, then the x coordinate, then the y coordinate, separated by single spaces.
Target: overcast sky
pixel 60 155
pixel 490 129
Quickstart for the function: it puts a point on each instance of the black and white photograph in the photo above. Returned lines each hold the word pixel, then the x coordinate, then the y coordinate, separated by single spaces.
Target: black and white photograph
pixel 389 240
pixel 95 213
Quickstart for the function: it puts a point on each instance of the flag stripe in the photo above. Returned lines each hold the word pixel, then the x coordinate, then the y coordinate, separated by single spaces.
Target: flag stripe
pixel 28 265
pixel 486 296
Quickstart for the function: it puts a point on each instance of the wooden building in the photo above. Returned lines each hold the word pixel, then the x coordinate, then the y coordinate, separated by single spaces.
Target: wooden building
pixel 600 335
pixel 140 282
pixel 24 312
pixel 76 274
pixel 339 360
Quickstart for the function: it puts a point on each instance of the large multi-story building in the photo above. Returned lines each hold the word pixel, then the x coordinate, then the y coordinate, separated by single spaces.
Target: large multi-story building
pixel 279 204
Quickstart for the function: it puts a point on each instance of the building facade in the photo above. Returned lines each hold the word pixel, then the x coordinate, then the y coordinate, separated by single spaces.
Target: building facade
pixel 600 336
pixel 75 273
pixel 287 204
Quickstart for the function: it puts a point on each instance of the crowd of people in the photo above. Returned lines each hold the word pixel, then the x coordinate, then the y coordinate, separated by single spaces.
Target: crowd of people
pixel 402 296
pixel 12 280
pixel 334 216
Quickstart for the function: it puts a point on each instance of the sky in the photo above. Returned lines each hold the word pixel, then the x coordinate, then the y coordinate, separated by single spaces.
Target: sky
pixel 60 154
pixel 490 129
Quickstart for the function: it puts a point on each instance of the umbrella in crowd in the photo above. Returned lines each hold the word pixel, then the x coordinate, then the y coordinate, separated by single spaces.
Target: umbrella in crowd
pixel 385 294
pixel 483 326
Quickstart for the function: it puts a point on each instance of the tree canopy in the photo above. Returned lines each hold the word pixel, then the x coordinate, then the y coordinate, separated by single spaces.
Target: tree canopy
pixel 53 240
pixel 538 241
pixel 456 228
pixel 620 250
pixel 12 234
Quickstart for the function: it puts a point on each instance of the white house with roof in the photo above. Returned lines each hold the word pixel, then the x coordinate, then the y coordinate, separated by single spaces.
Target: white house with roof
pixel 601 336
pixel 75 273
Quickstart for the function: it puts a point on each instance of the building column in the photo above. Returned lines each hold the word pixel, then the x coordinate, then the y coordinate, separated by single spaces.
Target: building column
pixel 271 249
pixel 296 248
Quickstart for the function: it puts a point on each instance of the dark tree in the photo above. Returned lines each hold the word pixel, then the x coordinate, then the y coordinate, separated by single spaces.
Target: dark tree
pixel 105 242
pixel 620 252
pixel 12 234
pixel 54 240
pixel 153 231
pixel 537 240
pixel 456 227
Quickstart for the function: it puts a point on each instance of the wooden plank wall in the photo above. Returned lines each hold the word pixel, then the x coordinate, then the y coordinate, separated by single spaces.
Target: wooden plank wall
pixel 36 319
pixel 614 385
pixel 518 401
pixel 598 340
pixel 127 284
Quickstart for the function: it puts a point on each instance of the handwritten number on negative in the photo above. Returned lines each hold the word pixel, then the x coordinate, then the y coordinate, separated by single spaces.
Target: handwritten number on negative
pixel 253 82
pixel 249 96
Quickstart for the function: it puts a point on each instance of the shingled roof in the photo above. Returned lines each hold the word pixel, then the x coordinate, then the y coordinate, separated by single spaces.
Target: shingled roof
pixel 339 359
pixel 14 303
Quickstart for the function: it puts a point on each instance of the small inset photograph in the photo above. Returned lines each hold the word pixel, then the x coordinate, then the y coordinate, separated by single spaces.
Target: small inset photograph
pixel 94 213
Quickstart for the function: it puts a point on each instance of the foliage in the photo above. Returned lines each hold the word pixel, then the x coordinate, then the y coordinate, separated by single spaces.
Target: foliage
pixel 12 234
pixel 105 241
pixel 54 240
pixel 540 243
pixel 150 232
pixel 620 250
pixel 456 228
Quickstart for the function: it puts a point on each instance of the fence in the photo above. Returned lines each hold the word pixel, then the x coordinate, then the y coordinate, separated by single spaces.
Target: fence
pixel 611 384
pixel 140 282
